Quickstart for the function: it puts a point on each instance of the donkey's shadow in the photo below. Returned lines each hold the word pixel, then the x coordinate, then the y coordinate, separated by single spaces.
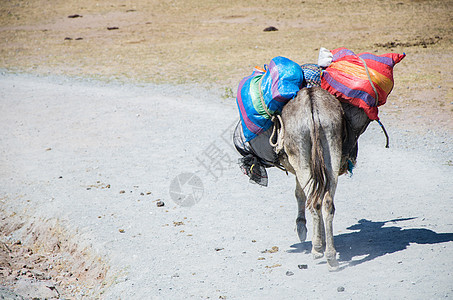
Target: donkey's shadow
pixel 374 240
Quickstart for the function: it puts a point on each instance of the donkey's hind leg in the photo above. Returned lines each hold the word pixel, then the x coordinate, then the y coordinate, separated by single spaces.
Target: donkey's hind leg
pixel 328 211
pixel 318 240
pixel 301 221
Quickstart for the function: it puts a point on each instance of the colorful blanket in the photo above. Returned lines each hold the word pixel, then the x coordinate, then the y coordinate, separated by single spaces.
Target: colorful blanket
pixel 312 75
pixel 274 85
pixel 348 78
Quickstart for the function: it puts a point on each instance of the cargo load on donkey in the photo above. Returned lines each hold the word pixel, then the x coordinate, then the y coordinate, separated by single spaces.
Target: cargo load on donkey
pixel 260 98
pixel 361 82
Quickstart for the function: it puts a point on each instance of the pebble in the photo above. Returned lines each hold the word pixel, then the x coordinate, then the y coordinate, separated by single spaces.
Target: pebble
pixel 302 267
pixel 273 250
pixel 270 28
pixel 160 203
pixel 289 273
pixel 340 289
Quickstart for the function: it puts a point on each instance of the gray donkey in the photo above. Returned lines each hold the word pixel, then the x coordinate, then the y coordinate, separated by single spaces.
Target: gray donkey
pixel 314 139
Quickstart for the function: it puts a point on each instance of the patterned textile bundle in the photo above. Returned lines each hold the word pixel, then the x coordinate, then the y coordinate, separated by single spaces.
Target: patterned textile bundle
pixel 347 78
pixel 312 75
pixel 275 86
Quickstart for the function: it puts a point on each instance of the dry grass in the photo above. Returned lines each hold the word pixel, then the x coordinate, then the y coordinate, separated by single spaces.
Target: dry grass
pixel 220 42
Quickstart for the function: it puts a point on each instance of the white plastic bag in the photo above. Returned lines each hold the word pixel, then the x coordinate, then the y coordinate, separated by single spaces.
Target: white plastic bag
pixel 325 57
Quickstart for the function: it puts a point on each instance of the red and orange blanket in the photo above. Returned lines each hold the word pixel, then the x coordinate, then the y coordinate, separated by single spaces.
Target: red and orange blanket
pixel 363 80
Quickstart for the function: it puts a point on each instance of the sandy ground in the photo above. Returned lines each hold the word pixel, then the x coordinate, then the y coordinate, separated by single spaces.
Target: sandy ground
pixel 206 42
pixel 88 161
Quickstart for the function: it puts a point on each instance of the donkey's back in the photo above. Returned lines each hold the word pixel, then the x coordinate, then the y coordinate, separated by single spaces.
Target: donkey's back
pixel 313 123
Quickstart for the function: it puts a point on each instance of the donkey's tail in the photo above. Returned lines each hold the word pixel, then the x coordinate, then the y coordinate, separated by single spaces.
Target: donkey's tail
pixel 319 173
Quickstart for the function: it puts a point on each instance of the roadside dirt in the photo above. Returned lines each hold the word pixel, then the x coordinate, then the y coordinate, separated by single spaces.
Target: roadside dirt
pixel 49 263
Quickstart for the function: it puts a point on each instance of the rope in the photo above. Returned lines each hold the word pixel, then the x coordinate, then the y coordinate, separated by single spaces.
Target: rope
pixel 278 129
pixel 371 81
pixel 385 132
pixel 377 101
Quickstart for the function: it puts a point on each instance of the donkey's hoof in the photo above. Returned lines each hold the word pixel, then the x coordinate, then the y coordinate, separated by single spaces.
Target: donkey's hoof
pixel 302 232
pixel 317 254
pixel 333 265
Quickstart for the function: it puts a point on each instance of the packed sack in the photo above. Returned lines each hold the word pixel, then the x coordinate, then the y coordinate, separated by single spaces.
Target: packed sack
pixel 364 80
pixel 272 86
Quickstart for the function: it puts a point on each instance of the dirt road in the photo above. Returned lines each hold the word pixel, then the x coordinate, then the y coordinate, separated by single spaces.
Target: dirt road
pixel 97 157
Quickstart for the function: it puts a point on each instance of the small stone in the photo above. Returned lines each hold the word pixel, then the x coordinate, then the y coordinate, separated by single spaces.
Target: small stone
pixel 122 191
pixel 273 250
pixel 74 16
pixel 253 241
pixel 121 230
pixel 270 28
pixel 289 273
pixel 302 267
pixel 340 289
pixel 160 203
pixel 219 249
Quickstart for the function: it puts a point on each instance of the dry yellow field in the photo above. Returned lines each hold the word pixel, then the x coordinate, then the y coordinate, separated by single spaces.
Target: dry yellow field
pixel 215 42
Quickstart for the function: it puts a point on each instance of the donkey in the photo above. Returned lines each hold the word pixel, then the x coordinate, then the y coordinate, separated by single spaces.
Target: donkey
pixel 314 128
